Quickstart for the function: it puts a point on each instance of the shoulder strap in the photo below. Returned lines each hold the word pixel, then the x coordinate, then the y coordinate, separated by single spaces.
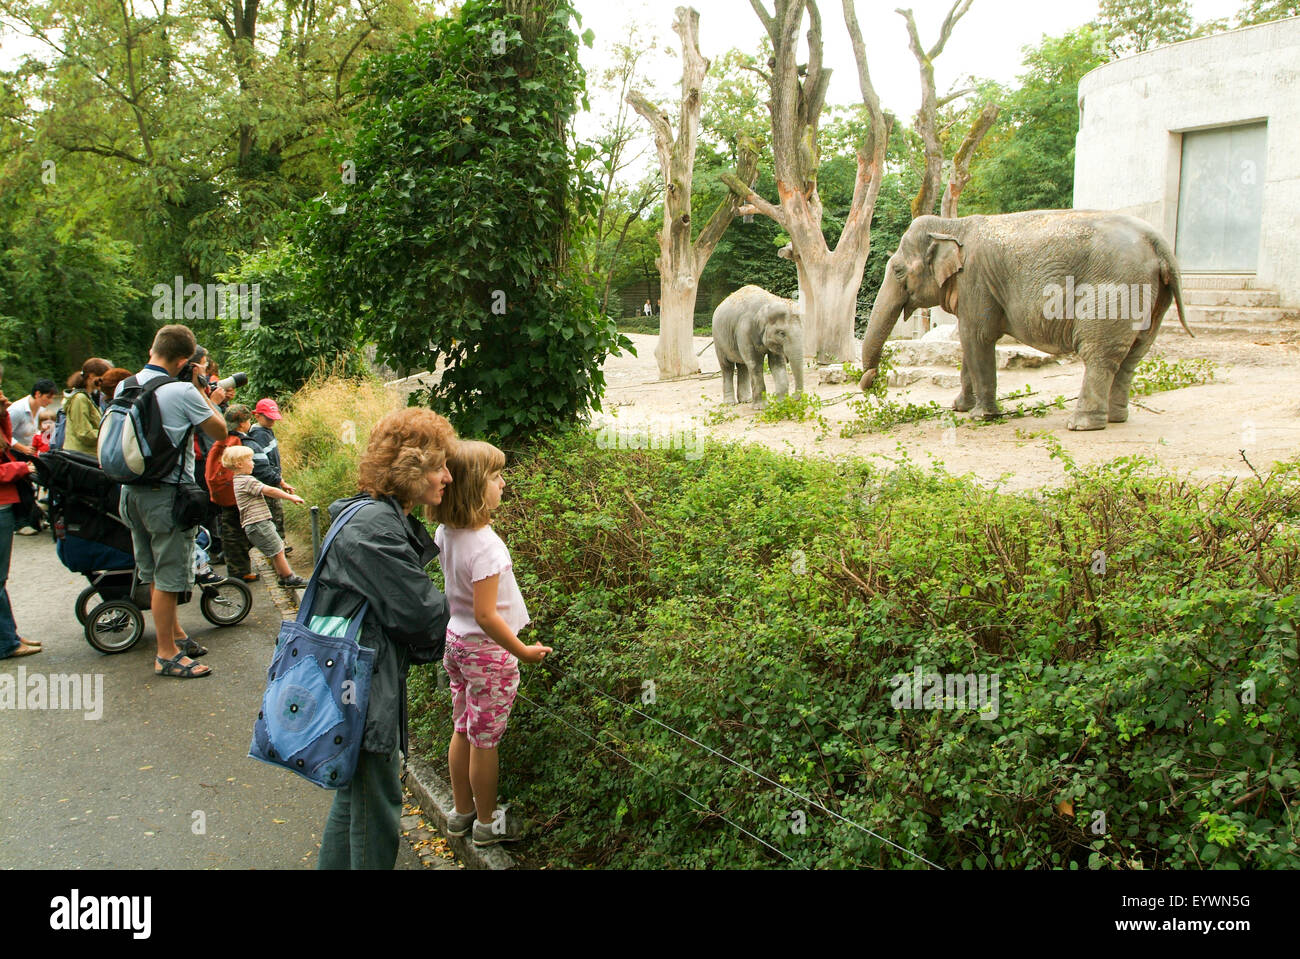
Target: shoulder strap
pixel 309 597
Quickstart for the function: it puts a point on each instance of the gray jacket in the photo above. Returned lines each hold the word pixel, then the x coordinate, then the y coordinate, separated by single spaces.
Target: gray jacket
pixel 381 556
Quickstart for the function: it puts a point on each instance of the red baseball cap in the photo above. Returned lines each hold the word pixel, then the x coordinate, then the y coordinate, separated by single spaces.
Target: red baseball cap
pixel 269 409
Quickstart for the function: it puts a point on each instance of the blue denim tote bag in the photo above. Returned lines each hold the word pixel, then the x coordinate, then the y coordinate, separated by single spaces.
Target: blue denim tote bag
pixel 318 687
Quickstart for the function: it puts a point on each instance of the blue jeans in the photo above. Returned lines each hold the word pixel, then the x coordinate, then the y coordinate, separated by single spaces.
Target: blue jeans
pixel 8 631
pixel 362 829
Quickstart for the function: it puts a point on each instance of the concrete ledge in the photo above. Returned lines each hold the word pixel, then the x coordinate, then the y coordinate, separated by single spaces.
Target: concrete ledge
pixel 434 797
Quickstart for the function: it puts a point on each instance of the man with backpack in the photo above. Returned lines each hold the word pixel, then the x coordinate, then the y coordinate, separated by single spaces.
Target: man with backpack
pixel 152 508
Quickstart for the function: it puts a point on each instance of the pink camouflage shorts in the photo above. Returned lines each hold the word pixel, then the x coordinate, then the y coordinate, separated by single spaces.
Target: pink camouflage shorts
pixel 484 679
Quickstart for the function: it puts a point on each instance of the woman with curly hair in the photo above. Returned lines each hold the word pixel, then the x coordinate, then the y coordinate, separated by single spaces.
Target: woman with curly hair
pixel 380 557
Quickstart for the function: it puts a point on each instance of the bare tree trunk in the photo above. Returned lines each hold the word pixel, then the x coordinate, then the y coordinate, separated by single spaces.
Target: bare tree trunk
pixel 965 153
pixel 832 277
pixel 681 261
pixel 927 117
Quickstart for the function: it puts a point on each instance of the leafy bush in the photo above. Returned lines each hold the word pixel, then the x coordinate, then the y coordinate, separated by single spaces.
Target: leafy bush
pixel 295 335
pixel 450 248
pixel 325 430
pixel 1143 629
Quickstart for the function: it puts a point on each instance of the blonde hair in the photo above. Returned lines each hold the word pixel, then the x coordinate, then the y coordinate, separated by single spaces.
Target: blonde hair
pixel 234 455
pixel 404 448
pixel 464 504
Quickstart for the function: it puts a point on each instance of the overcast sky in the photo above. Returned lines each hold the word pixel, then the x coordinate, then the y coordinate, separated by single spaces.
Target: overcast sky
pixel 986 43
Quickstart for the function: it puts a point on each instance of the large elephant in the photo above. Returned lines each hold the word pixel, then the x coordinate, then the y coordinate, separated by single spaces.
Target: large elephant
pixel 1061 281
pixel 748 326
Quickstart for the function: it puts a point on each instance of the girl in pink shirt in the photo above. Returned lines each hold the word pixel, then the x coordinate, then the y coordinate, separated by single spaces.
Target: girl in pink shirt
pixel 483 647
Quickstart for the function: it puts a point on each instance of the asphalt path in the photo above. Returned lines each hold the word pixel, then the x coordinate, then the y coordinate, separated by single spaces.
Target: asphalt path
pixel 162 778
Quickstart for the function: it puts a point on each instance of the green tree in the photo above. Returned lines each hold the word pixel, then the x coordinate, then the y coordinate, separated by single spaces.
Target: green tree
pixel 1265 11
pixel 451 249
pixel 1134 26
pixel 185 129
pixel 1027 162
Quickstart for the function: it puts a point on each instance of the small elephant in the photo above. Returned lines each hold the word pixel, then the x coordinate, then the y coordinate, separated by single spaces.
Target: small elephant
pixel 1062 281
pixel 748 326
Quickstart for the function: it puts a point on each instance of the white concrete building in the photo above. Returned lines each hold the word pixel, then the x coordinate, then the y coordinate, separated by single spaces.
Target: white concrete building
pixel 1202 140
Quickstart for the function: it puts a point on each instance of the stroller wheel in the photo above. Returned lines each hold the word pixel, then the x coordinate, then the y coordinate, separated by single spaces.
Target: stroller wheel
pixel 114 627
pixel 85 602
pixel 226 603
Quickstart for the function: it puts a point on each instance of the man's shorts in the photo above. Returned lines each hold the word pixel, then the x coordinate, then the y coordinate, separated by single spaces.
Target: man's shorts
pixel 263 536
pixel 484 680
pixel 164 553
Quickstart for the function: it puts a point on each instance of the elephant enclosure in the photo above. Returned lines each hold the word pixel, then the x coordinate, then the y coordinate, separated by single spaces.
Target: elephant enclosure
pixel 1253 405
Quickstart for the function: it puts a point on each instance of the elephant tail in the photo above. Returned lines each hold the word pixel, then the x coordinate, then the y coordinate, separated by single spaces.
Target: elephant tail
pixel 1171 276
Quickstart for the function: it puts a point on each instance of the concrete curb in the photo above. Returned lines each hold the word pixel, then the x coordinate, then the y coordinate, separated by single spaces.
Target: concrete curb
pixel 434 797
pixel 286 600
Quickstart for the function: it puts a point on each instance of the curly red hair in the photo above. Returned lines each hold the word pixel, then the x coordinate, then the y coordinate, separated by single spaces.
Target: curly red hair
pixel 405 446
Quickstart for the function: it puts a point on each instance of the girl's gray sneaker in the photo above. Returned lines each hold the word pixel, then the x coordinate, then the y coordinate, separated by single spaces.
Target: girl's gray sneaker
pixel 458 824
pixel 504 827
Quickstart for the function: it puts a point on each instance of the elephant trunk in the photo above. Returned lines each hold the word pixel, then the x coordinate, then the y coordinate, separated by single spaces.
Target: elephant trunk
pixel 890 302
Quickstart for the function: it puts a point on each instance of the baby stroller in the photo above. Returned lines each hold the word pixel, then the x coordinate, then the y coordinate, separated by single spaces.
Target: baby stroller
pixel 91 538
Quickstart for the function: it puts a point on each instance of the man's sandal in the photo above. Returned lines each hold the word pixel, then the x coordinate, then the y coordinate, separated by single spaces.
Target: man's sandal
pixel 29 642
pixel 173 667
pixel 190 648
pixel 25 650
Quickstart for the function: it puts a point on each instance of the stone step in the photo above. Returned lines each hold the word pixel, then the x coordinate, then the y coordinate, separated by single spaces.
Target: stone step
pixel 1231 298
pixel 1234 315
pixel 1220 281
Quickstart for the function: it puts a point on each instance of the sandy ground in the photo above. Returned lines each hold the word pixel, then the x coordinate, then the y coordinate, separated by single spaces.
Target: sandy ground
pixel 1199 431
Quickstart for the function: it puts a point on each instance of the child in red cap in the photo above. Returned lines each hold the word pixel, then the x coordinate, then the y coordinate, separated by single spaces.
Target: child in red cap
pixel 266 412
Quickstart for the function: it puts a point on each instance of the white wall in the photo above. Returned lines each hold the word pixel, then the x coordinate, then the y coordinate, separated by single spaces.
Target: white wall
pixel 1134 111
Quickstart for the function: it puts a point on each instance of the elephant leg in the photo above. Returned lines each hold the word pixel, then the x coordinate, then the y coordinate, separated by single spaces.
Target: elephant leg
pixel 780 376
pixel 742 383
pixel 964 402
pixel 1117 408
pixel 979 362
pixel 728 380
pixel 1117 411
pixel 757 388
pixel 1090 413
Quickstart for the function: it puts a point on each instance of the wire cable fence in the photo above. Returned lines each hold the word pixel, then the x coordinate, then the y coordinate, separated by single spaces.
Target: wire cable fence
pixel 725 758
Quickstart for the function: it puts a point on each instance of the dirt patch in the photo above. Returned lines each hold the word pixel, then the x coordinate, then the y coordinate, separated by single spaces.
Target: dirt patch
pixel 1199 431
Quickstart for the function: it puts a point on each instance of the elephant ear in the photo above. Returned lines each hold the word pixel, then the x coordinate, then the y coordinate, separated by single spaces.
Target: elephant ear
pixel 945 257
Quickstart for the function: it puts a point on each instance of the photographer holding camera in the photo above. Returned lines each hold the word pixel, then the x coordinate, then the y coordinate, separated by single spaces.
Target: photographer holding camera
pixel 164 552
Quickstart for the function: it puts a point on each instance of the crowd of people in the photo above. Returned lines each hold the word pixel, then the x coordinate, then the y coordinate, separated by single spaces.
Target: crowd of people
pixel 377 571
pixel 194 412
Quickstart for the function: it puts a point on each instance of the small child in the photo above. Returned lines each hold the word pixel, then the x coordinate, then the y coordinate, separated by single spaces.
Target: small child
pixel 266 412
pixel 45 424
pixel 254 515
pixel 483 648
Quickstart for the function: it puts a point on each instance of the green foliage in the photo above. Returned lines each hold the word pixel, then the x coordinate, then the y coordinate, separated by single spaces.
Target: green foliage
pixel 1133 26
pixel 1156 374
pixel 1266 11
pixel 1027 160
pixel 296 334
pixel 799 407
pixel 872 414
pixel 1143 630
pixel 65 291
pixel 451 247
pixel 795 407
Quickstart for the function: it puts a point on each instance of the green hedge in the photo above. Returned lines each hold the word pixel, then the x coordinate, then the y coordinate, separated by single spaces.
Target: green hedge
pixel 770 600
